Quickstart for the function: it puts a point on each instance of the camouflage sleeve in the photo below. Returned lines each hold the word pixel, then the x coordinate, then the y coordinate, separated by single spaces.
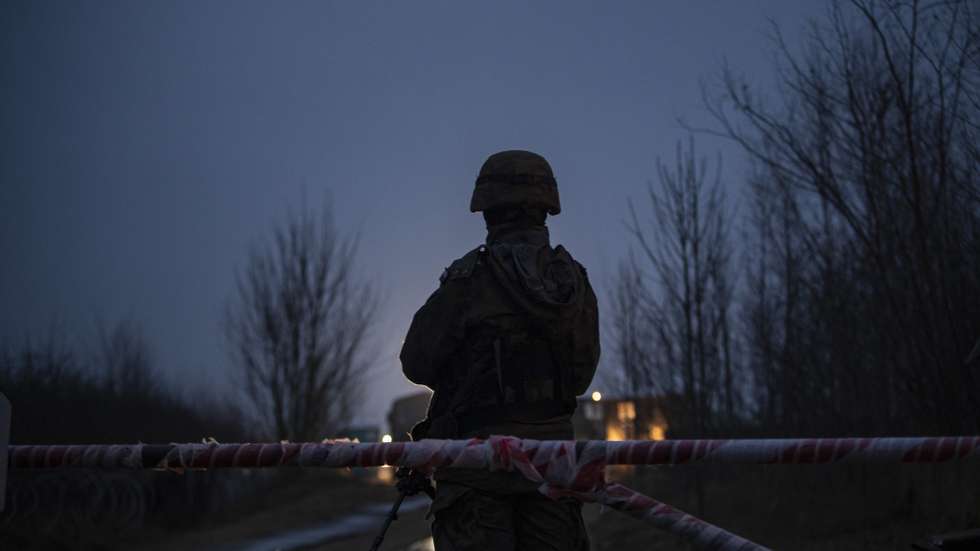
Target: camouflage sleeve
pixel 434 335
pixel 586 342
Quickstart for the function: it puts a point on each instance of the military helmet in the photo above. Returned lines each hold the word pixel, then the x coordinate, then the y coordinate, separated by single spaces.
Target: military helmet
pixel 514 178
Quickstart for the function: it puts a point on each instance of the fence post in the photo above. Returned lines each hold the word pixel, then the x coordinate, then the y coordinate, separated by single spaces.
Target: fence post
pixel 4 439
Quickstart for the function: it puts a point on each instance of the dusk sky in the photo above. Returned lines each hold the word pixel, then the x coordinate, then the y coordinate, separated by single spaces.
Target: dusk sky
pixel 147 145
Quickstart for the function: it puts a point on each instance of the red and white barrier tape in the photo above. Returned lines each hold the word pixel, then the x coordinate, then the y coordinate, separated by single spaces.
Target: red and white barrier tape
pixel 563 468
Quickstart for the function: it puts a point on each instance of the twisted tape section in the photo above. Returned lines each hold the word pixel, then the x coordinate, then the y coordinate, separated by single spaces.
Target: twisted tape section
pixel 566 470
pixel 703 534
pixel 476 453
pixel 793 451
pixel 85 456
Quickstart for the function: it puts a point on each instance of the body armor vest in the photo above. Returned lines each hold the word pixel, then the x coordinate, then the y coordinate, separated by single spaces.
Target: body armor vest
pixel 515 361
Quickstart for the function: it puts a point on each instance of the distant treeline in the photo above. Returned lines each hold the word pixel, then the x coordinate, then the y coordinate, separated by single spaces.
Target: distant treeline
pixel 108 392
pixel 111 395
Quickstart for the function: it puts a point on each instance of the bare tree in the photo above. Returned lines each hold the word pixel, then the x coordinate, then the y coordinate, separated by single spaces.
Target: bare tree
pixel 672 315
pixel 124 358
pixel 298 326
pixel 638 371
pixel 869 164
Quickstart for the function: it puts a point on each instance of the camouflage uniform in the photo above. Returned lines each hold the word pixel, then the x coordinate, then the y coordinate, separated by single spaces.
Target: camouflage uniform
pixel 507 342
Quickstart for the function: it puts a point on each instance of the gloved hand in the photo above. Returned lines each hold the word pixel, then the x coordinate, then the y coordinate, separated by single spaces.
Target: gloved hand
pixel 411 482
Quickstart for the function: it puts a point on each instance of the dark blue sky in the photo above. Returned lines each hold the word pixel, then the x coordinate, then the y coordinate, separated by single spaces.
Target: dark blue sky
pixel 146 145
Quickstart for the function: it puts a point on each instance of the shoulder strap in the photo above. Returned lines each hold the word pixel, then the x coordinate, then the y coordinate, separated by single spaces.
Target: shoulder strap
pixel 463 267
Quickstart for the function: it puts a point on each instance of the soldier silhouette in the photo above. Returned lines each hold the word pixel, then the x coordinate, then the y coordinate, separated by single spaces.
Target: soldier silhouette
pixel 507 342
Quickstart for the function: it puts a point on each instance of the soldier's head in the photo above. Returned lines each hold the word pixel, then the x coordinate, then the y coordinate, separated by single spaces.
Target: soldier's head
pixel 515 185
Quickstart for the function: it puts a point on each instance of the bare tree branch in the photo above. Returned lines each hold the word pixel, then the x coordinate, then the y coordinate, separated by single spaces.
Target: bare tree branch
pixel 298 325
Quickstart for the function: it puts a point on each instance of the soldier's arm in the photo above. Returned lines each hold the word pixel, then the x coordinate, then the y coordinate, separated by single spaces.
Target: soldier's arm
pixel 434 335
pixel 586 353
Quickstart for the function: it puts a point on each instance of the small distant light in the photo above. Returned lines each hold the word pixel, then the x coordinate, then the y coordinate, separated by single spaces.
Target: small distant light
pixel 386 438
pixel 596 396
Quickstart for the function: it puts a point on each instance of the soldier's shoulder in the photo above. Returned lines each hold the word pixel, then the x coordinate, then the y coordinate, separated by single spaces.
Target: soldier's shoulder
pixel 464 266
pixel 562 251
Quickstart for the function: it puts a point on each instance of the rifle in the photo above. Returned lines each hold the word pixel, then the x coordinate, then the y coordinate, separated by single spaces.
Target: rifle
pixel 410 482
